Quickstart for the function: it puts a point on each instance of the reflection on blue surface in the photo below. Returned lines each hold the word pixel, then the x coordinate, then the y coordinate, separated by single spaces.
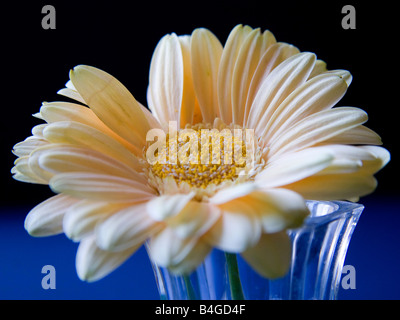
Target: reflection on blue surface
pixel 374 252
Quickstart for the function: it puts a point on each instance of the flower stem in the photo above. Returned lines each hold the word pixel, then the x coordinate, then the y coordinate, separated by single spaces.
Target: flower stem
pixel 234 279
pixel 189 288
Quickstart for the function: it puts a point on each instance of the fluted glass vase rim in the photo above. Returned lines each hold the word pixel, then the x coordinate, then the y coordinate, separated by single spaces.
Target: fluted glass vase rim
pixel 334 210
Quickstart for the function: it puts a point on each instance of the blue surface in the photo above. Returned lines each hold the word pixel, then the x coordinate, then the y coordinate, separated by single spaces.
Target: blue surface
pixel 374 252
pixel 22 259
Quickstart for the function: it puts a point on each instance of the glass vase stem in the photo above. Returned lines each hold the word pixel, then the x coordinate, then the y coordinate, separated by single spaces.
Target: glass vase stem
pixel 233 275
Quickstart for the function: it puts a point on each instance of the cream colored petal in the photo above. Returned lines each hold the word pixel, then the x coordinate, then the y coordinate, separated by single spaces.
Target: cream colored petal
pixel 268 40
pixel 347 159
pixel 46 218
pixel 348 176
pixel 247 61
pixel 70 92
pixel 57 158
pixel 226 68
pixel 169 186
pixel 189 101
pixel 194 219
pixel 166 80
pixel 319 67
pixel 294 166
pixel 37 131
pixel 357 135
pixel 36 168
pixel 365 160
pixel 37 115
pixel 150 103
pixel 22 171
pixel 70 85
pixel 197 116
pixel 345 186
pixel 344 74
pixel 81 218
pixel 69 132
pixel 271 256
pixel 317 128
pixel 192 259
pixel 245 65
pixel 179 255
pixel 345 151
pixel 282 81
pixel 165 246
pixel 66 111
pixel 24 178
pixel 278 209
pixel 112 103
pixel 237 229
pixel 100 187
pixel 92 263
pixel 128 227
pixel 381 155
pixel 342 165
pixel 167 206
pixel 274 55
pixel 151 119
pixel 206 51
pixel 24 148
pixel 320 93
pixel 233 192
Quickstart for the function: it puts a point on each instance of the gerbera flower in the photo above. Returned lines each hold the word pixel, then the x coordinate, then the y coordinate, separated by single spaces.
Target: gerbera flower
pixel 111 199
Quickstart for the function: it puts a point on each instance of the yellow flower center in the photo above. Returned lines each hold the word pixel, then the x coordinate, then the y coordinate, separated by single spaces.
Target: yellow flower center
pixel 200 156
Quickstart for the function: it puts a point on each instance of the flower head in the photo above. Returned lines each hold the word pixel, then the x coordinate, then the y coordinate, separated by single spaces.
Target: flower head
pixel 237 137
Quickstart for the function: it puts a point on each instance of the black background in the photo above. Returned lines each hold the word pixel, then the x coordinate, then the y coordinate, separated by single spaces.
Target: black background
pixel 119 37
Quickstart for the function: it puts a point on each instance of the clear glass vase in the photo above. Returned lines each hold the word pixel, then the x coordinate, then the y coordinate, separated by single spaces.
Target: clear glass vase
pixel 319 251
